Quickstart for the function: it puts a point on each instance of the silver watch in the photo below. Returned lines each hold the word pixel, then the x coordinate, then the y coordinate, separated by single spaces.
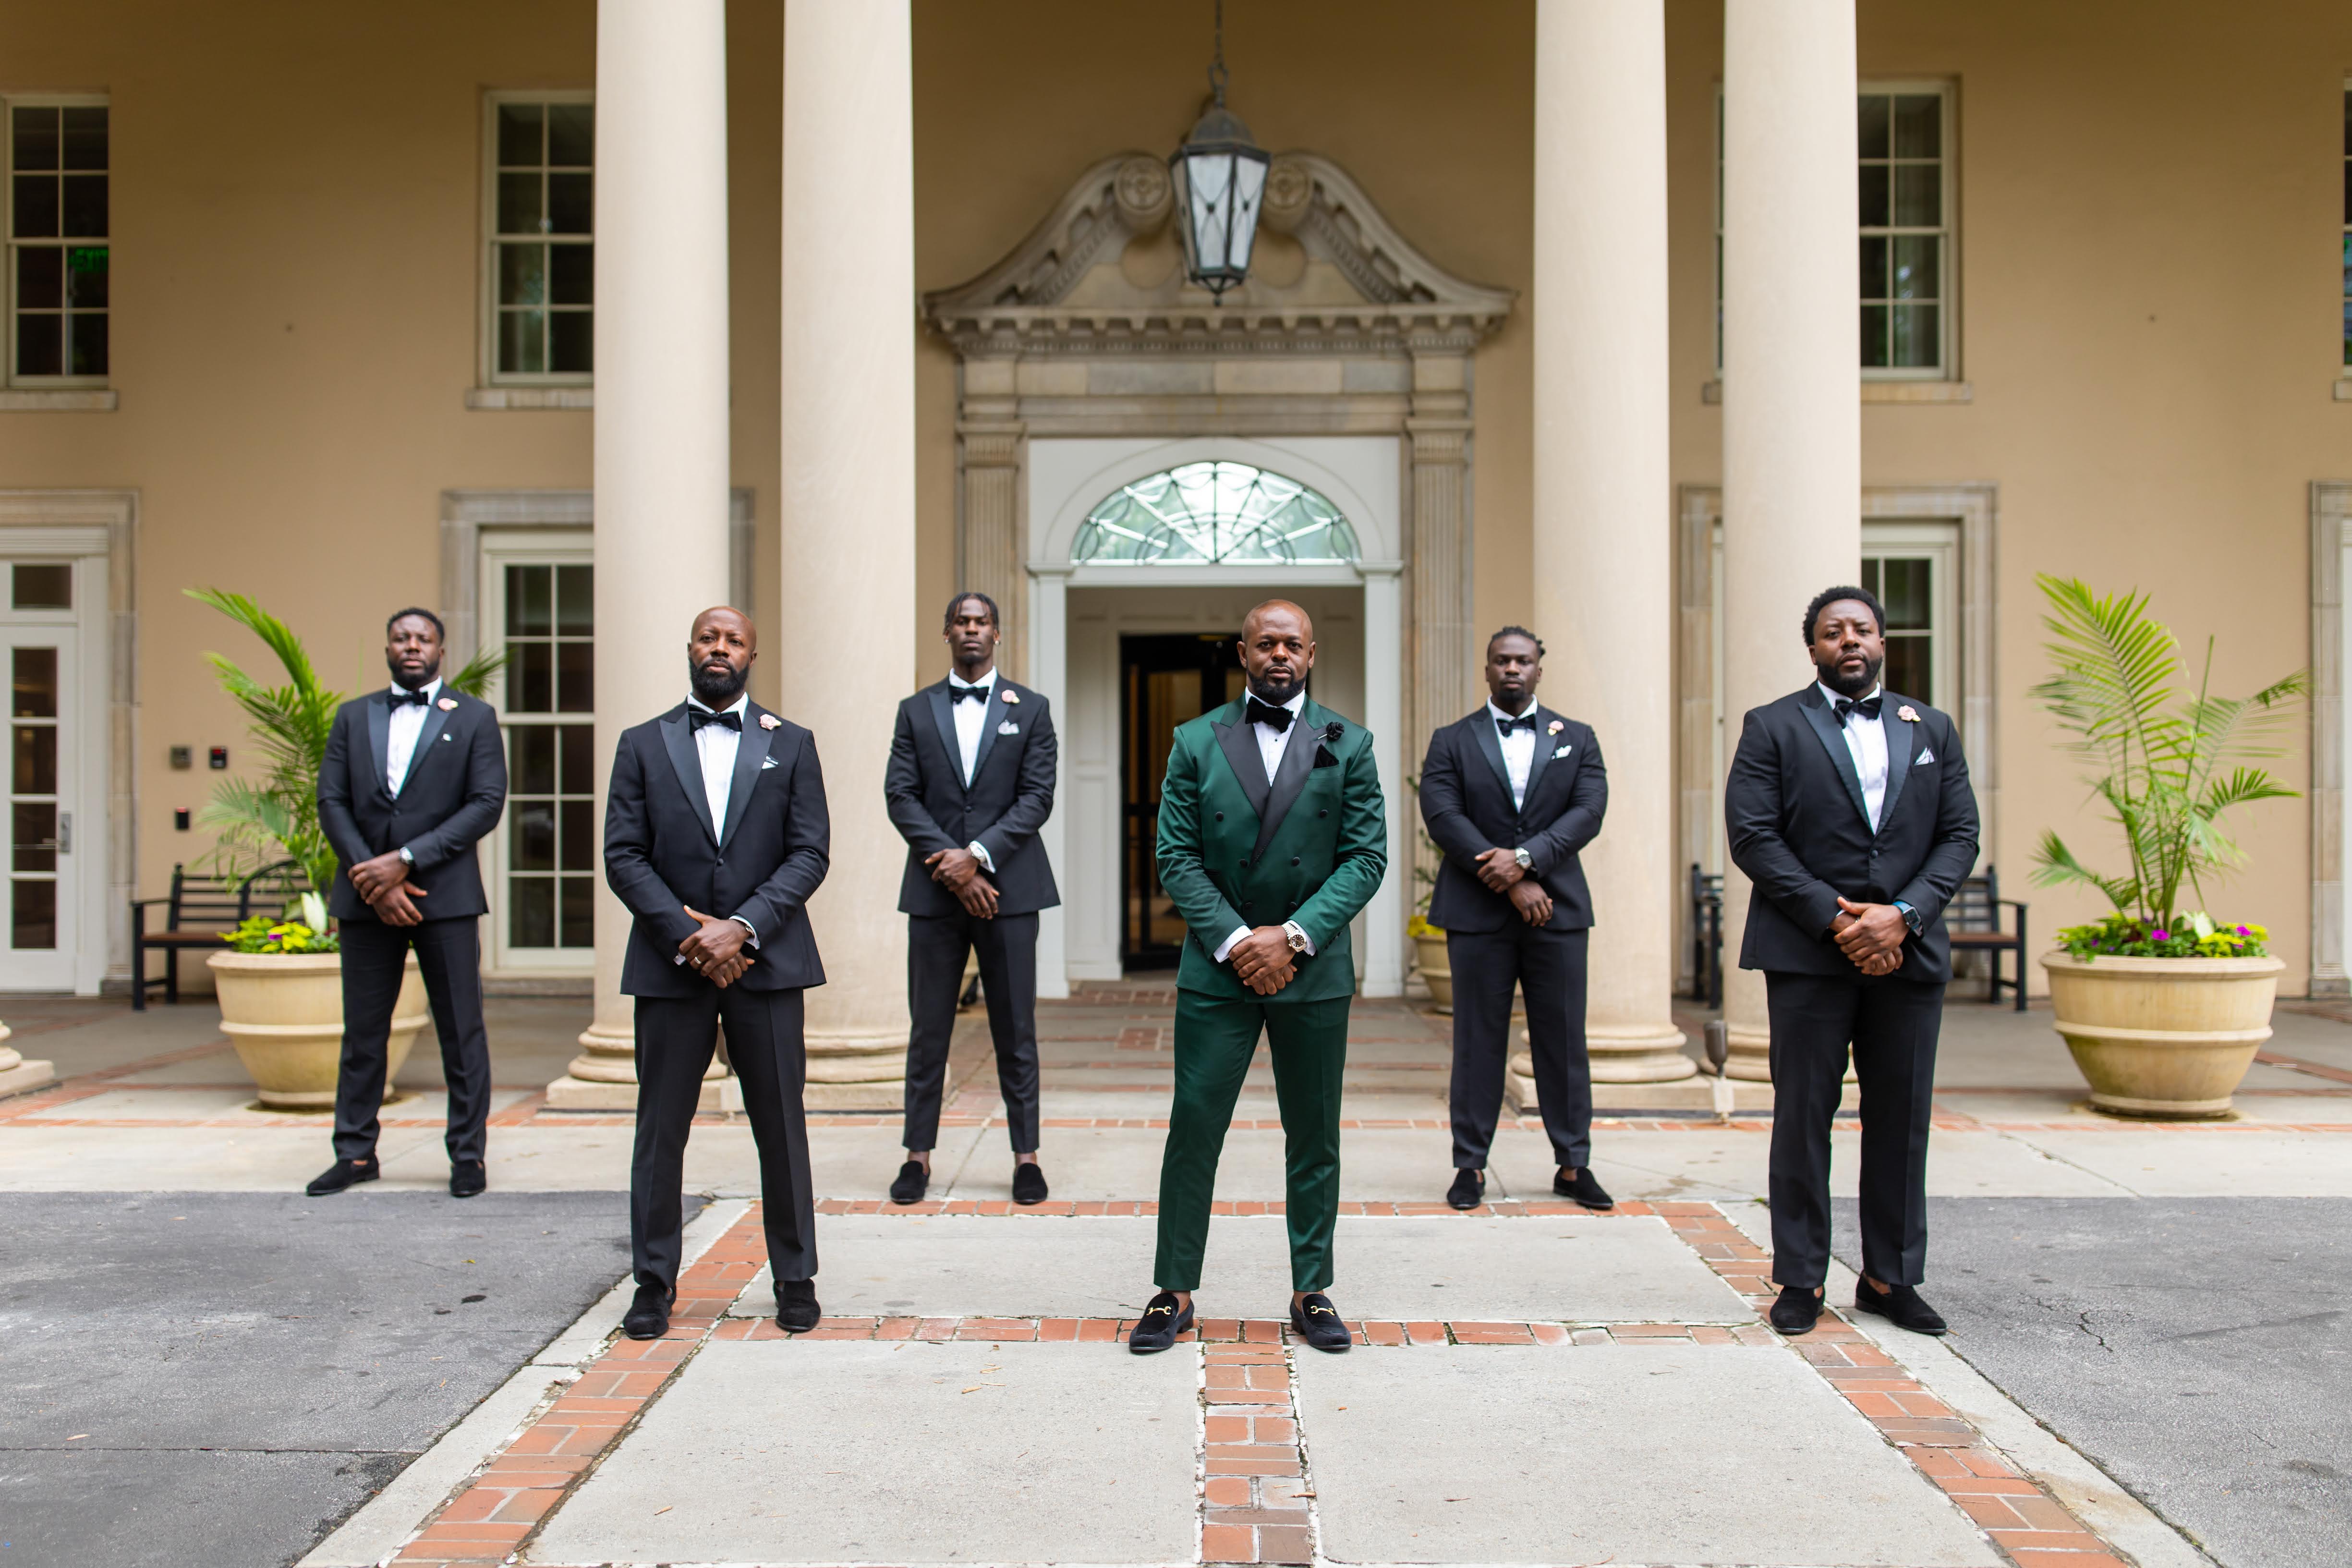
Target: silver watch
pixel 1526 861
pixel 1296 934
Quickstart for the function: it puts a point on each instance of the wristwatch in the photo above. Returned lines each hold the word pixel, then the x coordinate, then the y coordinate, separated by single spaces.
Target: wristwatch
pixel 1296 934
pixel 1911 917
pixel 1526 861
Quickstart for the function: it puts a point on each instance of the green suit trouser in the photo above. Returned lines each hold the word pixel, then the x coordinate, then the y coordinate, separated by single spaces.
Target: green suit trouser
pixel 1215 1039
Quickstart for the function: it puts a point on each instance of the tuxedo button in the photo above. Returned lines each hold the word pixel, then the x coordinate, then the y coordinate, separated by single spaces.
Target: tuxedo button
pixel 1221 816
pixel 1294 859
pixel 1325 812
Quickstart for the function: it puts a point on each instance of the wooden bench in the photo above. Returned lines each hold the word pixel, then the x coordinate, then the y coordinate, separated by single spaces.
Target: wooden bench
pixel 1973 920
pixel 198 911
pixel 1706 937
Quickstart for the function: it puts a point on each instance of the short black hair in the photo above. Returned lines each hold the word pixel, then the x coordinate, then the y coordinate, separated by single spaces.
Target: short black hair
pixel 423 613
pixel 1502 631
pixel 1828 596
pixel 958 602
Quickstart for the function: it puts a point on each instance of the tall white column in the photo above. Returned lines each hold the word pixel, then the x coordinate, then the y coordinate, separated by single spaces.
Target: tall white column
pixel 1604 491
pixel 1791 398
pixel 848 503
pixel 661 463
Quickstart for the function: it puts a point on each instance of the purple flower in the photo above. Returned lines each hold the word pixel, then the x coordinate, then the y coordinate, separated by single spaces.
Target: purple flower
pixel 2244 932
pixel 2160 934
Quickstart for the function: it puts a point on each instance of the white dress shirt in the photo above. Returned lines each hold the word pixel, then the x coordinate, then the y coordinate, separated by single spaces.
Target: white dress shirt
pixel 1867 744
pixel 400 740
pixel 1272 743
pixel 1518 749
pixel 971 723
pixel 717 746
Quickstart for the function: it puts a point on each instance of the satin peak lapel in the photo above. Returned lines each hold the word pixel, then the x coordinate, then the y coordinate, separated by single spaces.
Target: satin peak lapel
pixel 1289 777
pixel 435 720
pixel 992 712
pixel 1900 737
pixel 943 715
pixel 1544 744
pixel 1825 726
pixel 1239 743
pixel 1482 727
pixel 750 753
pixel 679 741
pixel 379 723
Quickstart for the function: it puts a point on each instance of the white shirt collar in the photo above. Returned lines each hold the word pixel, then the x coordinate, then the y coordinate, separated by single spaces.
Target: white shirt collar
pixel 741 705
pixel 432 688
pixel 1834 697
pixel 1295 704
pixel 985 683
pixel 1502 717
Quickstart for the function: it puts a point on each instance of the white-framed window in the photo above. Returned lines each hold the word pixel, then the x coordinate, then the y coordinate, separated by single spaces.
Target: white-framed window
pixel 539 234
pixel 537 605
pixel 1904 139
pixel 1912 567
pixel 56 239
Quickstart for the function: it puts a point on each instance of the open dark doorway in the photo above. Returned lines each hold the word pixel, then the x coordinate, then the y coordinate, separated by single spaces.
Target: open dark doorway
pixel 1163 682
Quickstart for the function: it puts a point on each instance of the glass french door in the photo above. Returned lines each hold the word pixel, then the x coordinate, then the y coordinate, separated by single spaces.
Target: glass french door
pixel 43 747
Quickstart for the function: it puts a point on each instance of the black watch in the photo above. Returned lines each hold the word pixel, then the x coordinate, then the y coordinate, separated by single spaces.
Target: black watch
pixel 1911 917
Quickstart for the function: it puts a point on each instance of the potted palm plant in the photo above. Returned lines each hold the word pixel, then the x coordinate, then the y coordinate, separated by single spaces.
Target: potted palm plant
pixel 280 981
pixel 1429 940
pixel 2162 1004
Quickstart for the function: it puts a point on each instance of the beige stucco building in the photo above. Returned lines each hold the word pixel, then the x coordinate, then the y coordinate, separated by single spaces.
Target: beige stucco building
pixel 1553 308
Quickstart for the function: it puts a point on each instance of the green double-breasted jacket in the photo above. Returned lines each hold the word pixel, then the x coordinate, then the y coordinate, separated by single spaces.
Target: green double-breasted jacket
pixel 1235 850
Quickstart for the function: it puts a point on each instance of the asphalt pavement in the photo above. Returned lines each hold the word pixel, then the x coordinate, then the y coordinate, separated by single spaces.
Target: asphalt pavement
pixel 2199 1350
pixel 222 1378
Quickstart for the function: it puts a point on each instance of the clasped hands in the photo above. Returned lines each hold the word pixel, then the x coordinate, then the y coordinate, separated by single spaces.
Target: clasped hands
pixel 1872 935
pixel 958 870
pixel 715 950
pixel 1263 960
pixel 383 883
pixel 1500 870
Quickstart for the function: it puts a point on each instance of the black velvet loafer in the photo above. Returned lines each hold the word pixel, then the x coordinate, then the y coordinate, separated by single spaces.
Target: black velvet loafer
pixel 1899 1305
pixel 344 1174
pixel 469 1178
pixel 1028 1184
pixel 1317 1322
pixel 1160 1323
pixel 648 1316
pixel 913 1179
pixel 796 1309
pixel 1796 1311
pixel 1583 1190
pixel 1468 1191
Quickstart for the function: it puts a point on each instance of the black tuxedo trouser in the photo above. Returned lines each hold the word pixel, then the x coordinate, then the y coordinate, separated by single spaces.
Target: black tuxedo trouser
pixel 1548 966
pixel 936 946
pixel 375 960
pixel 1893 1024
pixel 676 1038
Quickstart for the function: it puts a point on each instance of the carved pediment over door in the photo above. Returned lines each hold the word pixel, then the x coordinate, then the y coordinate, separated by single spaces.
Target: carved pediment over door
pixel 1105 273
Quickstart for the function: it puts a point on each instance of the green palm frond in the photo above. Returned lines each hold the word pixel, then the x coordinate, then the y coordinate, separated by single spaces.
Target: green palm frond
pixel 274 818
pixel 480 671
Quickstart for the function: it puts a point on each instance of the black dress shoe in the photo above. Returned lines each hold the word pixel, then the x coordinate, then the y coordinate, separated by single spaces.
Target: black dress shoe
pixel 1583 1190
pixel 796 1309
pixel 1899 1305
pixel 467 1178
pixel 344 1174
pixel 1160 1325
pixel 1468 1191
pixel 1028 1184
pixel 1796 1311
pixel 648 1316
pixel 913 1177
pixel 1317 1322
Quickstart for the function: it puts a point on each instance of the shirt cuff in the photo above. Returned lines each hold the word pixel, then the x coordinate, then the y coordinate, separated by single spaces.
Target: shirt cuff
pixel 1227 945
pixel 748 926
pixel 980 853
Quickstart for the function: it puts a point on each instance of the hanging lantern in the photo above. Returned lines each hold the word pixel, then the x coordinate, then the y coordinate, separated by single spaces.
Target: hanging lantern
pixel 1220 176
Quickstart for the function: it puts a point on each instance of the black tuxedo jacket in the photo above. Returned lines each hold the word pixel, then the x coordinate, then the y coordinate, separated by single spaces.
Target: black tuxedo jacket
pixel 455 787
pixel 1011 794
pixel 1793 811
pixel 1465 803
pixel 662 851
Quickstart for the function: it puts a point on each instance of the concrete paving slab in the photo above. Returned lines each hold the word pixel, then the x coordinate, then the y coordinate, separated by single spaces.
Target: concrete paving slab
pixel 777 1452
pixel 1482 1454
pixel 36 1159
pixel 1568 1268
pixel 1705 1163
pixel 138 1103
pixel 2187 1162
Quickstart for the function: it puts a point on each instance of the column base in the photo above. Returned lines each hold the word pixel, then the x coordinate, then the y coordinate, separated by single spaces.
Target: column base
pixel 603 1076
pixel 19 1074
pixel 856 1069
pixel 1751 1058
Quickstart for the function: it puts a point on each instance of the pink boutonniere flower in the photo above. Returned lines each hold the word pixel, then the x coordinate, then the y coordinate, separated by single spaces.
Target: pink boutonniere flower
pixel 769 721
pixel 447 705
pixel 1554 728
pixel 1907 713
pixel 1010 696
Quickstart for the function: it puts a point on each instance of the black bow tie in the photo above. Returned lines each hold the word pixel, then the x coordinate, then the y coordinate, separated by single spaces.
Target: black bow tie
pixel 699 717
pixel 1526 720
pixel 1266 713
pixel 1867 708
pixel 959 694
pixel 400 699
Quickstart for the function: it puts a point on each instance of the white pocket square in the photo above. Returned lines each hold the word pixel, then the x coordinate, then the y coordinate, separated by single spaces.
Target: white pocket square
pixel 1923 757
pixel 1561 752
pixel 1008 728
pixel 767 763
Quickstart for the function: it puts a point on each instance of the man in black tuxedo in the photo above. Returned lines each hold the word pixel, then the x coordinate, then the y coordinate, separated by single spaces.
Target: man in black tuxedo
pixel 970 780
pixel 718 805
pixel 413 778
pixel 1849 807
pixel 1510 795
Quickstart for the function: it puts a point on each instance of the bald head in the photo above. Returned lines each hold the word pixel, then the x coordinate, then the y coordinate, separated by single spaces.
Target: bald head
pixel 719 655
pixel 1277 649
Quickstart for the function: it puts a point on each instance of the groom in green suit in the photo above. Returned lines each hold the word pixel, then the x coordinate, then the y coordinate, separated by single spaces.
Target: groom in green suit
pixel 1272 835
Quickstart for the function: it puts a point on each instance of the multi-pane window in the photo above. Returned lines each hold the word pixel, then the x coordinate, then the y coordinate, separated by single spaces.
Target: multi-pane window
pixel 1904 230
pixel 56 240
pixel 1905 585
pixel 542 268
pixel 550 700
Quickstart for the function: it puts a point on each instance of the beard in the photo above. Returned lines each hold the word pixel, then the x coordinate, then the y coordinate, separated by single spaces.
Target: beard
pixel 1853 687
pixel 1276 690
pixel 423 680
pixel 715 691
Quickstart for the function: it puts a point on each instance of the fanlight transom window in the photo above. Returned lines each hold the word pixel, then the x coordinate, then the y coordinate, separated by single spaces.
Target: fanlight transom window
pixel 1215 513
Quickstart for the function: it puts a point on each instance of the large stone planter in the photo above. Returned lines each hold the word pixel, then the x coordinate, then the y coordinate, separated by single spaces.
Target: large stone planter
pixel 1436 972
pixel 2163 1037
pixel 284 1014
